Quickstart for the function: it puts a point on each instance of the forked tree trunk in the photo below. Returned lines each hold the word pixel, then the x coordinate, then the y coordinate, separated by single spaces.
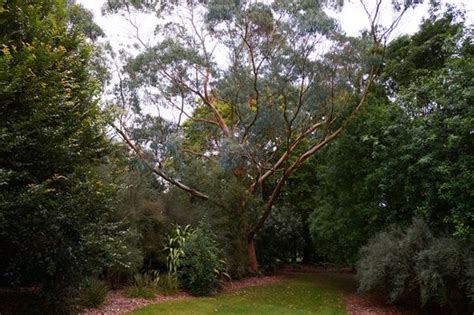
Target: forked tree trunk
pixel 252 257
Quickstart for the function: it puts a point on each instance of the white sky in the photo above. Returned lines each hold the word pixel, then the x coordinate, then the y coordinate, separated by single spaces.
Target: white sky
pixel 351 18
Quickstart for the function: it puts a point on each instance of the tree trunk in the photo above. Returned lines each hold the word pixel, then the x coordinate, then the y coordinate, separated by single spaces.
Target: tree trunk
pixel 252 262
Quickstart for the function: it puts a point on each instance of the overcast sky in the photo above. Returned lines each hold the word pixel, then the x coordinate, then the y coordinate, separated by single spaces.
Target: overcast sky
pixel 352 19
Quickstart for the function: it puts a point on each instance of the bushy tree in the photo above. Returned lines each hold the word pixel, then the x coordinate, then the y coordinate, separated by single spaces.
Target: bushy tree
pixel 56 222
pixel 348 200
pixel 435 164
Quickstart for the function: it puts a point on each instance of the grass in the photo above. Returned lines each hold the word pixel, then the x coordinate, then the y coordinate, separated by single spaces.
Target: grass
pixel 301 294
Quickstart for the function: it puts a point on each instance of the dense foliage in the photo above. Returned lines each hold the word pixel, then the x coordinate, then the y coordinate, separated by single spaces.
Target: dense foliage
pixel 293 143
pixel 56 222
pixel 415 264
pixel 282 240
pixel 348 197
pixel 408 156
pixel 201 268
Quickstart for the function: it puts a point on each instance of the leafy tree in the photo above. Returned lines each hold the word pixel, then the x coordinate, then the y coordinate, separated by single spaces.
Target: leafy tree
pixel 56 222
pixel 410 156
pixel 437 160
pixel 348 199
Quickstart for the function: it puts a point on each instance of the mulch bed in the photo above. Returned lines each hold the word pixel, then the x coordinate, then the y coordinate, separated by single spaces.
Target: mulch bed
pixel 118 303
pixel 371 304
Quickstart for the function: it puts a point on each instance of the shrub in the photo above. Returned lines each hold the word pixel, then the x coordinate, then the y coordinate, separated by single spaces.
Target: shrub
pixel 439 268
pixel 176 240
pixel 144 285
pixel 282 240
pixel 94 293
pixel 415 264
pixel 201 268
pixel 168 284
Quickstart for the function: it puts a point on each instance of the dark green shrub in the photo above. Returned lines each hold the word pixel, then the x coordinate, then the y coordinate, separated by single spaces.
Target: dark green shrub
pixel 93 293
pixel 282 240
pixel 200 269
pixel 415 264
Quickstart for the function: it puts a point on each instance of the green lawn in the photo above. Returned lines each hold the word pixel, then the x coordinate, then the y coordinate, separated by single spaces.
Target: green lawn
pixel 301 294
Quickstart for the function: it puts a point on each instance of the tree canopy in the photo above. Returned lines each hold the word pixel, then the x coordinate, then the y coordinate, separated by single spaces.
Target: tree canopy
pixel 289 83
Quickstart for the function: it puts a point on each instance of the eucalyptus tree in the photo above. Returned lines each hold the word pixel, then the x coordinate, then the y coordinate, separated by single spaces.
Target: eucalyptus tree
pixel 259 87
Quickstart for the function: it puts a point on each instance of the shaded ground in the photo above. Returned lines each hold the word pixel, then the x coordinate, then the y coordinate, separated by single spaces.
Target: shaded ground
pixel 306 290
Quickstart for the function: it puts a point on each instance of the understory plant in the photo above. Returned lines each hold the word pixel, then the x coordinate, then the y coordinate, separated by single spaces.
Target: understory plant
pixel 437 271
pixel 94 293
pixel 144 285
pixel 176 241
pixel 201 268
pixel 168 284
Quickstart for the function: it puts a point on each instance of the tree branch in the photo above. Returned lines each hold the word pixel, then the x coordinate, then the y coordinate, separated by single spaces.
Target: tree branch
pixel 138 152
